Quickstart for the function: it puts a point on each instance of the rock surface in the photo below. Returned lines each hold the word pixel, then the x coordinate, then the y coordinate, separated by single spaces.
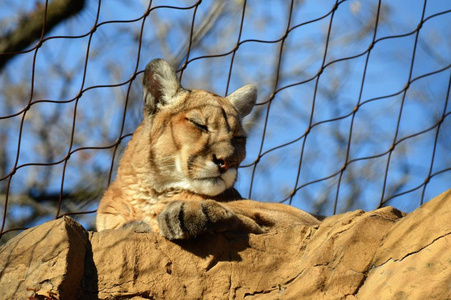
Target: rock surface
pixel 382 254
pixel 46 261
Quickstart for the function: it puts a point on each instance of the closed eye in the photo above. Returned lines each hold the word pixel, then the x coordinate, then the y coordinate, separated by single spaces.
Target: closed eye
pixel 198 125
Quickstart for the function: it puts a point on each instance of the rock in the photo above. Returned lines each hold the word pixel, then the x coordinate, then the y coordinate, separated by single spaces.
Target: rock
pixel 413 260
pixel 46 261
pixel 338 255
pixel 215 267
pixel 382 254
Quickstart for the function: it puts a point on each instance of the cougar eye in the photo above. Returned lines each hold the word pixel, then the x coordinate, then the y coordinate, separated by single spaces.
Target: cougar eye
pixel 198 125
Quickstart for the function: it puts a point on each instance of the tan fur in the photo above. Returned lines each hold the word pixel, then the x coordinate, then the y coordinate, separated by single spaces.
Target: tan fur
pixel 178 170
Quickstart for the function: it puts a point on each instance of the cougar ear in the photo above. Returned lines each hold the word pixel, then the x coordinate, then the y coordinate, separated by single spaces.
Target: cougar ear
pixel 244 99
pixel 160 85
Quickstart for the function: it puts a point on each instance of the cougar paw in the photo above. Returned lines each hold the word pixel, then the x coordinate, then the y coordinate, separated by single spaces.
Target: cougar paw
pixel 188 219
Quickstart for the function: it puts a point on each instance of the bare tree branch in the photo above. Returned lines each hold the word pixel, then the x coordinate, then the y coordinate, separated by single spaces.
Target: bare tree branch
pixel 34 25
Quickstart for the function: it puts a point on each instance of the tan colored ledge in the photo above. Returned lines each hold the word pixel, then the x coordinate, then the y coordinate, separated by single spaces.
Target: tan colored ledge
pixel 382 254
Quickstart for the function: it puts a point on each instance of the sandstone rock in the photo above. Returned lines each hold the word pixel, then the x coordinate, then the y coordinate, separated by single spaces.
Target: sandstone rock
pixel 214 267
pixel 382 254
pixel 46 261
pixel 414 259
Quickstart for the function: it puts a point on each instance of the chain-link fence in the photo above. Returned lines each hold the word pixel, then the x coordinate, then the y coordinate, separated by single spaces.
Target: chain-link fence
pixel 352 110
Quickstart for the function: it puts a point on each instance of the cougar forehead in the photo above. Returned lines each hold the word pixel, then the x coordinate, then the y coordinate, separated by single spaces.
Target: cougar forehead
pixel 208 103
pixel 199 144
pixel 205 108
pixel 216 110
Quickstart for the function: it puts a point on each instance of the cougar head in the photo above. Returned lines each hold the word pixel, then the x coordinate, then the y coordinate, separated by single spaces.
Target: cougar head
pixel 197 140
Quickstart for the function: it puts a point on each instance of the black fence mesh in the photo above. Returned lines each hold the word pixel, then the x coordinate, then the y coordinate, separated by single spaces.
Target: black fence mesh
pixel 352 112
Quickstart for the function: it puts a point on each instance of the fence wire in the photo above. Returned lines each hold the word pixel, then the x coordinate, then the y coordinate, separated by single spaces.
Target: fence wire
pixel 352 113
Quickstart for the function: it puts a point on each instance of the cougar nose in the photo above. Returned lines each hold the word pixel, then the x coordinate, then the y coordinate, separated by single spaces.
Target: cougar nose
pixel 222 163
